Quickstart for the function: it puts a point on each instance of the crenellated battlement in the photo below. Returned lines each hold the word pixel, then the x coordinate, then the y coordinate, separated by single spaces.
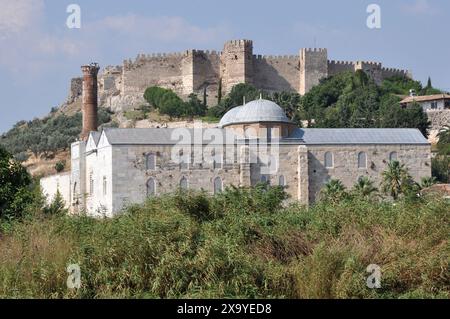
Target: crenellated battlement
pixel 340 63
pixel 194 70
pixel 369 63
pixel 239 43
pixel 276 57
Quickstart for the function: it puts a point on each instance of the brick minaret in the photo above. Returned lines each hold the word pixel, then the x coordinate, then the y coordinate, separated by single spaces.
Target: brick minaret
pixel 89 106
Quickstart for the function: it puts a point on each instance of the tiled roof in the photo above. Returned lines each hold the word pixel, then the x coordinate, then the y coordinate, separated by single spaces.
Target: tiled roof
pixel 425 98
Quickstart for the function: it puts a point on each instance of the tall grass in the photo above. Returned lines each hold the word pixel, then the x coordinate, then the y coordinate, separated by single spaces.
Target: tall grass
pixel 242 243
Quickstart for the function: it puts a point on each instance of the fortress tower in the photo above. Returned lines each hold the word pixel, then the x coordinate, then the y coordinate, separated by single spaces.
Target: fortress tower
pixel 237 64
pixel 89 99
pixel 313 67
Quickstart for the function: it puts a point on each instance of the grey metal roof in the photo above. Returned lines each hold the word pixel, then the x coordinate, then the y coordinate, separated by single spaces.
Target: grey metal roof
pixel 255 111
pixel 360 136
pixel 311 136
pixel 160 136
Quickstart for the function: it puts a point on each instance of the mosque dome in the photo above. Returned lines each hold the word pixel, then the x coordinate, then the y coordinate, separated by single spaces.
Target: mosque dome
pixel 255 111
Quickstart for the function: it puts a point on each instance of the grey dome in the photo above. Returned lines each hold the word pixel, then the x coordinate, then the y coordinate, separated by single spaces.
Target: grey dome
pixel 255 111
pixel 229 117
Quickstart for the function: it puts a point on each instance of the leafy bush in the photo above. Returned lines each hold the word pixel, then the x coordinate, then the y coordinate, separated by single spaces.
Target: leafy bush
pixel 252 247
pixel 16 188
pixel 60 166
pixel 354 100
pixel 168 102
pixel 44 136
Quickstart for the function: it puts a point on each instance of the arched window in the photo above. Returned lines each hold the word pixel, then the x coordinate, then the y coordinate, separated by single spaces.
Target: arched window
pixel 329 163
pixel 282 180
pixel 91 183
pixel 217 185
pixel 183 183
pixel 265 179
pixel 151 187
pixel 105 185
pixel 150 161
pixel 393 156
pixel 362 160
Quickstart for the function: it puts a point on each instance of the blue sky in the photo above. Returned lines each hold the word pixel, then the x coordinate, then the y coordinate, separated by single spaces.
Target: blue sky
pixel 39 54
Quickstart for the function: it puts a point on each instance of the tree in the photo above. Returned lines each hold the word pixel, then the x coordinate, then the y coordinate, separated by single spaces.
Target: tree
pixel 427 181
pixel 410 117
pixel 333 191
pixel 364 187
pixel 15 191
pixel 59 166
pixel 396 180
pixel 444 141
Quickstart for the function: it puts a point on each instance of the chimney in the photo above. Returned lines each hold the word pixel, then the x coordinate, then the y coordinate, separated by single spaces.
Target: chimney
pixel 89 106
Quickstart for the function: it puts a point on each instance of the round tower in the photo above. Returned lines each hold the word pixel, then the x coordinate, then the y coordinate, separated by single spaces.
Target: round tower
pixel 89 101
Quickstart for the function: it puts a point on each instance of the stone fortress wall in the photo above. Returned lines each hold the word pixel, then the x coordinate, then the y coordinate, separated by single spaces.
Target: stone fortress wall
pixel 200 72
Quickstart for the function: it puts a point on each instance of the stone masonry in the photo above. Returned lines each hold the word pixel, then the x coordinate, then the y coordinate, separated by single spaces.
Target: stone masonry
pixel 200 72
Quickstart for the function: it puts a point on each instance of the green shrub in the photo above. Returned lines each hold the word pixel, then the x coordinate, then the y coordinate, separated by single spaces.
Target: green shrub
pixel 241 243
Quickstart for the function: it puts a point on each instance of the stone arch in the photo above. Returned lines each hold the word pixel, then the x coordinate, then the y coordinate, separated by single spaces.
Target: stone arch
pixel 184 183
pixel 218 185
pixel 393 156
pixel 329 160
pixel 362 160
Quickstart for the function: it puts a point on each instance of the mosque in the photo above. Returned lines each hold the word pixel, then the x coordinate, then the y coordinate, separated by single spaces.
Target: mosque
pixel 253 143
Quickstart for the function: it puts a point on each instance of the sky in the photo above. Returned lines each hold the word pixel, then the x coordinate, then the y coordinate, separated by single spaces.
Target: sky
pixel 39 54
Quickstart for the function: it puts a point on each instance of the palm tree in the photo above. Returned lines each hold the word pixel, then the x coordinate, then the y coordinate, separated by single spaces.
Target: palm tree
pixel 396 179
pixel 334 190
pixel 427 182
pixel 364 187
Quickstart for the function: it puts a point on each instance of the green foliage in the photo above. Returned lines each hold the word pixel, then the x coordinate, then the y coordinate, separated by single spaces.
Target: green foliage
pixel 364 187
pixel 247 246
pixel 44 136
pixel 60 166
pixel 440 168
pixel 396 180
pixel 333 191
pixel 353 100
pixel 168 102
pixel 56 207
pixel 412 116
pixel 16 188
pixel 444 141
pixel 426 182
pixel 401 85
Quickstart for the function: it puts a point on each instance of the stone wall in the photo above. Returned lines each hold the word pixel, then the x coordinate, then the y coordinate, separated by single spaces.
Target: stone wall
pixel 416 158
pixel 277 73
pixel 197 71
pixel 313 68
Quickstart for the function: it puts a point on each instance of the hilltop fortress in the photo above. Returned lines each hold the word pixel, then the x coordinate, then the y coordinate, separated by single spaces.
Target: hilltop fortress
pixel 213 74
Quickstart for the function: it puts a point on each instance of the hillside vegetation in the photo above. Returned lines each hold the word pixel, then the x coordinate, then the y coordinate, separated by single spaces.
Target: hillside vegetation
pixel 239 244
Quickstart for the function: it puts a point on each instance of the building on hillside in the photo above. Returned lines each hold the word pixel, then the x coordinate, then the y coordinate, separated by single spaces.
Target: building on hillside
pixel 253 143
pixel 212 74
pixel 436 102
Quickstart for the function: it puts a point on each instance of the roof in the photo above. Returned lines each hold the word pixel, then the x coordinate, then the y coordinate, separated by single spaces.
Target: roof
pixel 255 111
pixel 310 136
pixel 385 136
pixel 425 98
pixel 96 136
pixel 158 136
